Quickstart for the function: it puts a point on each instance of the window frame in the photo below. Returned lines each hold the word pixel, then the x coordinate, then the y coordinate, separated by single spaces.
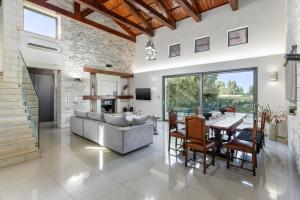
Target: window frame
pixel 45 13
pixel 169 47
pixel 201 74
pixel 200 38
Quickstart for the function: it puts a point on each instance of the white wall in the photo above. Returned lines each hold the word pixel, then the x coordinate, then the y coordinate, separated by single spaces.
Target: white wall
pixel 268 92
pixel 266 21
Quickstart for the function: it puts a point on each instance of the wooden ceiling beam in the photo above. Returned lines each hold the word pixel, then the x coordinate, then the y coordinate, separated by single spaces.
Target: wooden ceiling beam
pixel 234 4
pixel 134 12
pixel 126 29
pixel 77 10
pixel 71 15
pixel 101 9
pixel 148 9
pixel 86 12
pixel 190 10
pixel 164 9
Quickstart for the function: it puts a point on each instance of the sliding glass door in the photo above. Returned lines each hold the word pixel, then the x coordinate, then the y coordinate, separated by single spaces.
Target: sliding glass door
pixel 181 93
pixel 211 91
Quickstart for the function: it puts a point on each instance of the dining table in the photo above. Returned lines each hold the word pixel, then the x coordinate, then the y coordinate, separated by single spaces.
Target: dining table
pixel 222 123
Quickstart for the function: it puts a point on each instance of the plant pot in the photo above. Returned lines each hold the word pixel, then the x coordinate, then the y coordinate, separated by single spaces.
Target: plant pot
pixel 271 131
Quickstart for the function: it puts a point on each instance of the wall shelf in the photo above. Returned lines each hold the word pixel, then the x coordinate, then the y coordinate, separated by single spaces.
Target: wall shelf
pixel 100 71
pixel 106 97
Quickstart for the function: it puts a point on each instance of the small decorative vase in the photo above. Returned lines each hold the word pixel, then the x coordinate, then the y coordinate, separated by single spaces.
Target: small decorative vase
pixel 272 131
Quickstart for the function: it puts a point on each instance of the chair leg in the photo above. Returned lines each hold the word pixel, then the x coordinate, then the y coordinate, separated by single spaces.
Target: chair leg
pixel 228 157
pixel 186 156
pixel 176 146
pixel 169 143
pixel 213 157
pixel 204 162
pixel 254 164
pixel 194 156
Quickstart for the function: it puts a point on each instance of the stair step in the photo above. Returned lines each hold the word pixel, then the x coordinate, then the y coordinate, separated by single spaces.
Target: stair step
pixel 15 131
pixel 10 91
pixel 19 157
pixel 12 110
pixel 9 85
pixel 11 97
pixel 13 125
pixel 13 139
pixel 10 149
pixel 13 118
pixel 8 104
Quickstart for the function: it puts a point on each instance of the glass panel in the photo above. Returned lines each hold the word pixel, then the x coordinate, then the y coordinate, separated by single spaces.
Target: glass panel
pixel 182 94
pixel 39 23
pixel 228 89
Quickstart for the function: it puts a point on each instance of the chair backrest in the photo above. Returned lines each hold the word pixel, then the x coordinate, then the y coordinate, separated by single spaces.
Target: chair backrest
pixel 195 129
pixel 230 109
pixel 173 120
pixel 198 110
pixel 254 134
pixel 263 121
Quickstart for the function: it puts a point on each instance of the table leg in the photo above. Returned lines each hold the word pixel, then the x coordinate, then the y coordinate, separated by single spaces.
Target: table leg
pixel 219 143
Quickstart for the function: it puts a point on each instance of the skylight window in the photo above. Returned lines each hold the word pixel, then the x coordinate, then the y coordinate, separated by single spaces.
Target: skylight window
pixel 40 23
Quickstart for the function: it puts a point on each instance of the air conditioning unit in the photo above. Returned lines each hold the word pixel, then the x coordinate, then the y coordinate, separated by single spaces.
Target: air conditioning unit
pixel 41 44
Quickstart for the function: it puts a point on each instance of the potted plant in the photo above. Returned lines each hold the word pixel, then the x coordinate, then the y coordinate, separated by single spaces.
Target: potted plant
pixel 273 118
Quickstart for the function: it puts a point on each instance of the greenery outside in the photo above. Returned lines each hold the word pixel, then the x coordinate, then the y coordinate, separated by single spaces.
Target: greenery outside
pixel 183 94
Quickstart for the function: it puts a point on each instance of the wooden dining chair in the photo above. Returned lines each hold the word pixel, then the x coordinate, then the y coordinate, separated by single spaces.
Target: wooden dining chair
pixel 245 147
pixel 174 132
pixel 230 109
pixel 196 141
pixel 246 134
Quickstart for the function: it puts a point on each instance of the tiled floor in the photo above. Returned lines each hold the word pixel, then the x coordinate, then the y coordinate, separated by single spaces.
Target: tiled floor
pixel 73 168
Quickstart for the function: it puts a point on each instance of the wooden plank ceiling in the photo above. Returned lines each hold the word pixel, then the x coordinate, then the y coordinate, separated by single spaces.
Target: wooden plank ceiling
pixel 138 16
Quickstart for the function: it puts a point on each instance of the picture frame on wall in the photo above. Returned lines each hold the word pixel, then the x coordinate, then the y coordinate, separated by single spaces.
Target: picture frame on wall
pixel 174 50
pixel 238 36
pixel 202 44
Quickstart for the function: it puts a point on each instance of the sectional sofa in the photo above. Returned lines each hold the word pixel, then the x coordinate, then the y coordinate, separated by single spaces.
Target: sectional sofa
pixel 121 133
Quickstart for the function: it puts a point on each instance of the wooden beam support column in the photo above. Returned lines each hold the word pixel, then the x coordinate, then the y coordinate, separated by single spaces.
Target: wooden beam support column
pixel 234 4
pixel 190 10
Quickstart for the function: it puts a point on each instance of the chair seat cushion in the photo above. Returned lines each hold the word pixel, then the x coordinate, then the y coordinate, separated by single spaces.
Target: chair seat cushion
pixel 246 135
pixel 240 145
pixel 178 134
pixel 199 146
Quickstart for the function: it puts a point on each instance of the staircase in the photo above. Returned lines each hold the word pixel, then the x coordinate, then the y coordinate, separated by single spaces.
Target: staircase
pixel 18 132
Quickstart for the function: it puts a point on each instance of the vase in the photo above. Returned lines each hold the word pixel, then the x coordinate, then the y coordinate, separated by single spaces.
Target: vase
pixel 271 131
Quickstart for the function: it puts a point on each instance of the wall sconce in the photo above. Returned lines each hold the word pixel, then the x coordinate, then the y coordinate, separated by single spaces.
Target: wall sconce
pixel 273 76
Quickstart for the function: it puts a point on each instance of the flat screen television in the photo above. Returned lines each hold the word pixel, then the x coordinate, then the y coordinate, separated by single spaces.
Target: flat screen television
pixel 143 94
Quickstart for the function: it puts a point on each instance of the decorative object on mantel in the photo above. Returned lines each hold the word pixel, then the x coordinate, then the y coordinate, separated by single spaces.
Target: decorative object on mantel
pixel 273 118
pixel 124 90
pixel 292 110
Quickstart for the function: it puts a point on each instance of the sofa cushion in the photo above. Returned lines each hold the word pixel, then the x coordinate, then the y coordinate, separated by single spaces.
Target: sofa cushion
pixel 80 114
pixel 116 120
pixel 139 120
pixel 96 116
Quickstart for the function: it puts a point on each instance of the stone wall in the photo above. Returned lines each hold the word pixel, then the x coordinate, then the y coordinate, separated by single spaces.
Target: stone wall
pixel 86 46
pixel 293 36
pixel 12 22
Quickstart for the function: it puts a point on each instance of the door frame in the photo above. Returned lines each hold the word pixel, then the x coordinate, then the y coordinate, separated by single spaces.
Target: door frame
pixel 54 74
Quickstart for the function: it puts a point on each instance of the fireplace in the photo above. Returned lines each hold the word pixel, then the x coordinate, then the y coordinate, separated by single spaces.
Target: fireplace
pixel 108 105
